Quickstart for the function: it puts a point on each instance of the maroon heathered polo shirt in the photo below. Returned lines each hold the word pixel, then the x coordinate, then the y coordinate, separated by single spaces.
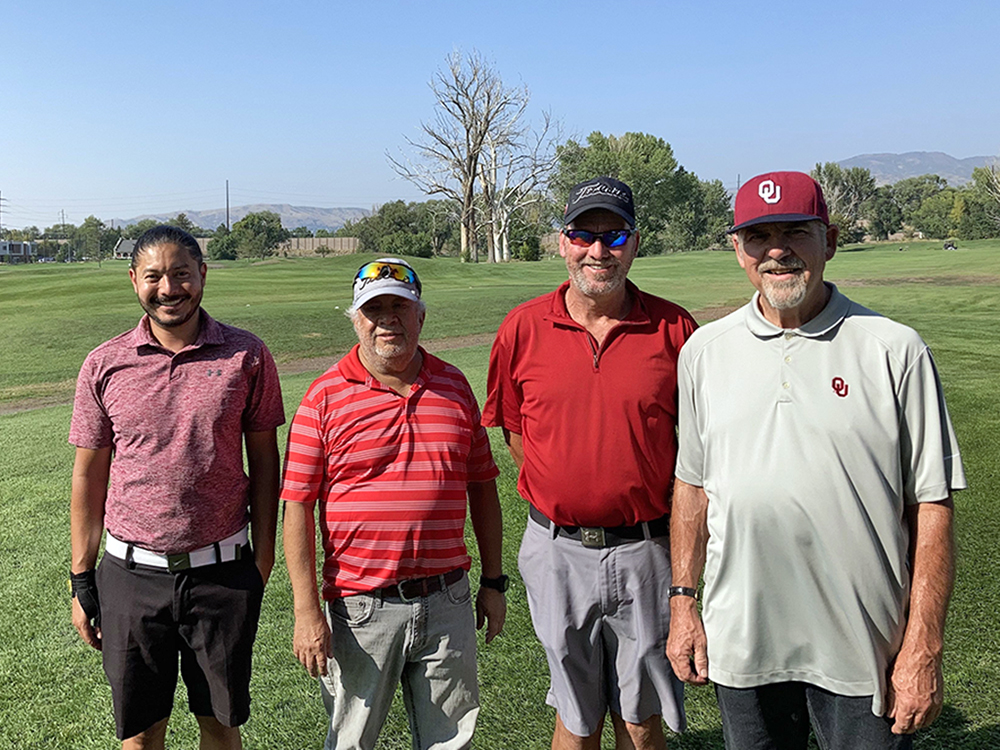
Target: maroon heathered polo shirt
pixel 176 422
pixel 597 423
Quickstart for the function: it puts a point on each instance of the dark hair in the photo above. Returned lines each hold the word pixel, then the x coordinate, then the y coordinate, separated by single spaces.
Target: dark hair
pixel 164 234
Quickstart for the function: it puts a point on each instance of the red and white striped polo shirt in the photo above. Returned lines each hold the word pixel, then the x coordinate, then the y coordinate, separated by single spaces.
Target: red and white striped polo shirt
pixel 390 472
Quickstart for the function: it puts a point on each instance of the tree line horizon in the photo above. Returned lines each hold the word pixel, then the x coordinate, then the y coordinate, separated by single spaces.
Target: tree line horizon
pixel 496 183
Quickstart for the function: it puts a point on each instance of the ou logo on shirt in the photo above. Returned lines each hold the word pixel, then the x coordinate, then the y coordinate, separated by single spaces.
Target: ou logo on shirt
pixel 840 387
pixel 769 192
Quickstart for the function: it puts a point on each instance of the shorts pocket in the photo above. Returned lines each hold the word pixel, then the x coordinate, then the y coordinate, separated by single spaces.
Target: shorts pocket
pixel 353 610
pixel 460 592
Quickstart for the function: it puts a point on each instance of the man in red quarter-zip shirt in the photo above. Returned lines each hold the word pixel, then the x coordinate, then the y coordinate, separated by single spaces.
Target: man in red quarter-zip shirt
pixel 583 383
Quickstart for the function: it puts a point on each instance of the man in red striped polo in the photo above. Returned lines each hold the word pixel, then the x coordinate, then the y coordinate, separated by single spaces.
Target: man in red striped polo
pixel 388 441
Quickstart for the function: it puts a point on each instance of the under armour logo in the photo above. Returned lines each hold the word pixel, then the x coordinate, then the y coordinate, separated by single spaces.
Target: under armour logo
pixel 839 387
pixel 769 192
pixel 217 373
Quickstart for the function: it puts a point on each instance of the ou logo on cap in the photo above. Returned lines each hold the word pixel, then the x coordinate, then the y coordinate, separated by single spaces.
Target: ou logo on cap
pixel 769 192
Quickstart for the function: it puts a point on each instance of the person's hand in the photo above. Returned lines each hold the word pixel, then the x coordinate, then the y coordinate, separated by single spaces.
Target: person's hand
pixel 915 693
pixel 687 646
pixel 264 564
pixel 86 608
pixel 491 610
pixel 90 633
pixel 311 641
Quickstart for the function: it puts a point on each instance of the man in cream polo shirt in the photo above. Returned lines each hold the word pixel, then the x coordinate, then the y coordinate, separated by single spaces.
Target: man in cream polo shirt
pixel 814 479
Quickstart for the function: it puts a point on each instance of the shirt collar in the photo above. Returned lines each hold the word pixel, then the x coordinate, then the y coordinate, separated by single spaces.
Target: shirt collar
pixel 829 317
pixel 210 333
pixel 558 313
pixel 352 369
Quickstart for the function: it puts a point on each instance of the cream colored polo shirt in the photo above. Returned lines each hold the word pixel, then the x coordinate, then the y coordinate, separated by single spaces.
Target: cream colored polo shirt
pixel 808 443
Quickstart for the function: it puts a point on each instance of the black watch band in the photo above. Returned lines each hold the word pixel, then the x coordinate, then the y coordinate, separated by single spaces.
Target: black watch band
pixel 501 583
pixel 683 591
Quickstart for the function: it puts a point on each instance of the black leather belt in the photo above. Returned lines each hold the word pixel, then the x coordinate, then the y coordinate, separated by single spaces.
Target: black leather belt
pixel 600 536
pixel 417 587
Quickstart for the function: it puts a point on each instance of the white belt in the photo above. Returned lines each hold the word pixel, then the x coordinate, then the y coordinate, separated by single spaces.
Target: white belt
pixel 226 550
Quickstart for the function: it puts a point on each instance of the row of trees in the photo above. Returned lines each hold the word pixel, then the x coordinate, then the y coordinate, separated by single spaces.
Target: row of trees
pixel 925 204
pixel 256 235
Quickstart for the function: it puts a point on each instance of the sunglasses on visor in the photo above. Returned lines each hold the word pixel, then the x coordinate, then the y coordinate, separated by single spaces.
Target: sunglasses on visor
pixel 381 270
pixel 583 238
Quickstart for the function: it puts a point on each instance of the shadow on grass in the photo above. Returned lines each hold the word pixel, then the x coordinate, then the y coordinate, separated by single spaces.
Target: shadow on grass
pixel 951 732
pixel 702 739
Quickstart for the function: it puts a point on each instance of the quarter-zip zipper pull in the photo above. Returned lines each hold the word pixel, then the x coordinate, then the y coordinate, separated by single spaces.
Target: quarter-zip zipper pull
pixel 590 340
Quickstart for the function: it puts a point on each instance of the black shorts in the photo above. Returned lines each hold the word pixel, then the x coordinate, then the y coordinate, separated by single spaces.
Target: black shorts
pixel 208 615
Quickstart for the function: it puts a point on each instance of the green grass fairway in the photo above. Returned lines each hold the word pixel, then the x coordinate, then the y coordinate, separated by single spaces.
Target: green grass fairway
pixel 52 689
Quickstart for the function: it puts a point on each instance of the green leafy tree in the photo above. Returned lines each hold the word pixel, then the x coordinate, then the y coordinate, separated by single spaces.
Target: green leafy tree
pixel 258 235
pixel 59 232
pixel 47 248
pixel 181 221
pixel 301 232
pixel 674 210
pixel 936 216
pixel 28 234
pixel 883 214
pixel 910 193
pixel 94 240
pixel 223 246
pixel 133 231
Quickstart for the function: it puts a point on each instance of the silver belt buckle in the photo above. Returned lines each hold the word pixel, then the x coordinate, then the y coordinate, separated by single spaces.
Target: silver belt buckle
pixel 592 537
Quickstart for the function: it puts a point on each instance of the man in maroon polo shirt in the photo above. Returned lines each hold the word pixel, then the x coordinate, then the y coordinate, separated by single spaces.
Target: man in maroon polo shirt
pixel 583 382
pixel 159 421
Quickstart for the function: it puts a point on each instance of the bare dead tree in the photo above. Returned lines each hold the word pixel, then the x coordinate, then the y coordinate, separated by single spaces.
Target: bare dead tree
pixel 993 189
pixel 471 103
pixel 514 167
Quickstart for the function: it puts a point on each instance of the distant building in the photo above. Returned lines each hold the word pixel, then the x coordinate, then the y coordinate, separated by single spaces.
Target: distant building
pixel 17 252
pixel 123 249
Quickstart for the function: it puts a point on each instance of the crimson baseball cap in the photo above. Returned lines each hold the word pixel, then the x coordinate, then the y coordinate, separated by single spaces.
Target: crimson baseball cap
pixel 779 196
pixel 600 192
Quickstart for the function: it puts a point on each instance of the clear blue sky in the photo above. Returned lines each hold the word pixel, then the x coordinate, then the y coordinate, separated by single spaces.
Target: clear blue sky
pixel 125 108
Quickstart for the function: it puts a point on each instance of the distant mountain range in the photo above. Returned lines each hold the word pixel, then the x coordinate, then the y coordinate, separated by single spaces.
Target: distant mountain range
pixel 291 216
pixel 890 168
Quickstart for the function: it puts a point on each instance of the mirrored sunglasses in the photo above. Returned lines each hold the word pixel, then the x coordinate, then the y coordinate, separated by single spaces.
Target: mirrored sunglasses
pixel 583 238
pixel 381 270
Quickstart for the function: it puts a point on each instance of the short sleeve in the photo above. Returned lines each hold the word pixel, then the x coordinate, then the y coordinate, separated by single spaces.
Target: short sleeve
pixel 930 457
pixel 481 467
pixel 302 476
pixel 265 410
pixel 503 396
pixel 90 426
pixel 690 448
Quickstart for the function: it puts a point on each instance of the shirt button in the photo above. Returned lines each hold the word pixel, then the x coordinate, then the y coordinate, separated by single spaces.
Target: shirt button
pixel 788 359
pixel 786 386
pixel 789 335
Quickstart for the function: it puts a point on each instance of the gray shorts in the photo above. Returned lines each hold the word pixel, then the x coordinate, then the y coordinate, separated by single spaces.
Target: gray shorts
pixel 602 616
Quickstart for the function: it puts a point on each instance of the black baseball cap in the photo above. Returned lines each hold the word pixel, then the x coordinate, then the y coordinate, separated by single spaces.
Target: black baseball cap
pixel 600 192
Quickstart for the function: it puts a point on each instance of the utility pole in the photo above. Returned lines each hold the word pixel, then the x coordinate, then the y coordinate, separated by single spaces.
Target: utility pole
pixel 227 205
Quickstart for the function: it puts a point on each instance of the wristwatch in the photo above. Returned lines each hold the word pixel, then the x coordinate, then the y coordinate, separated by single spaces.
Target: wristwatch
pixel 682 591
pixel 501 583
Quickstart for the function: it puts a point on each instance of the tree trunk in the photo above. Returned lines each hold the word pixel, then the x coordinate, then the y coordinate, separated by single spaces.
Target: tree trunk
pixel 491 243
